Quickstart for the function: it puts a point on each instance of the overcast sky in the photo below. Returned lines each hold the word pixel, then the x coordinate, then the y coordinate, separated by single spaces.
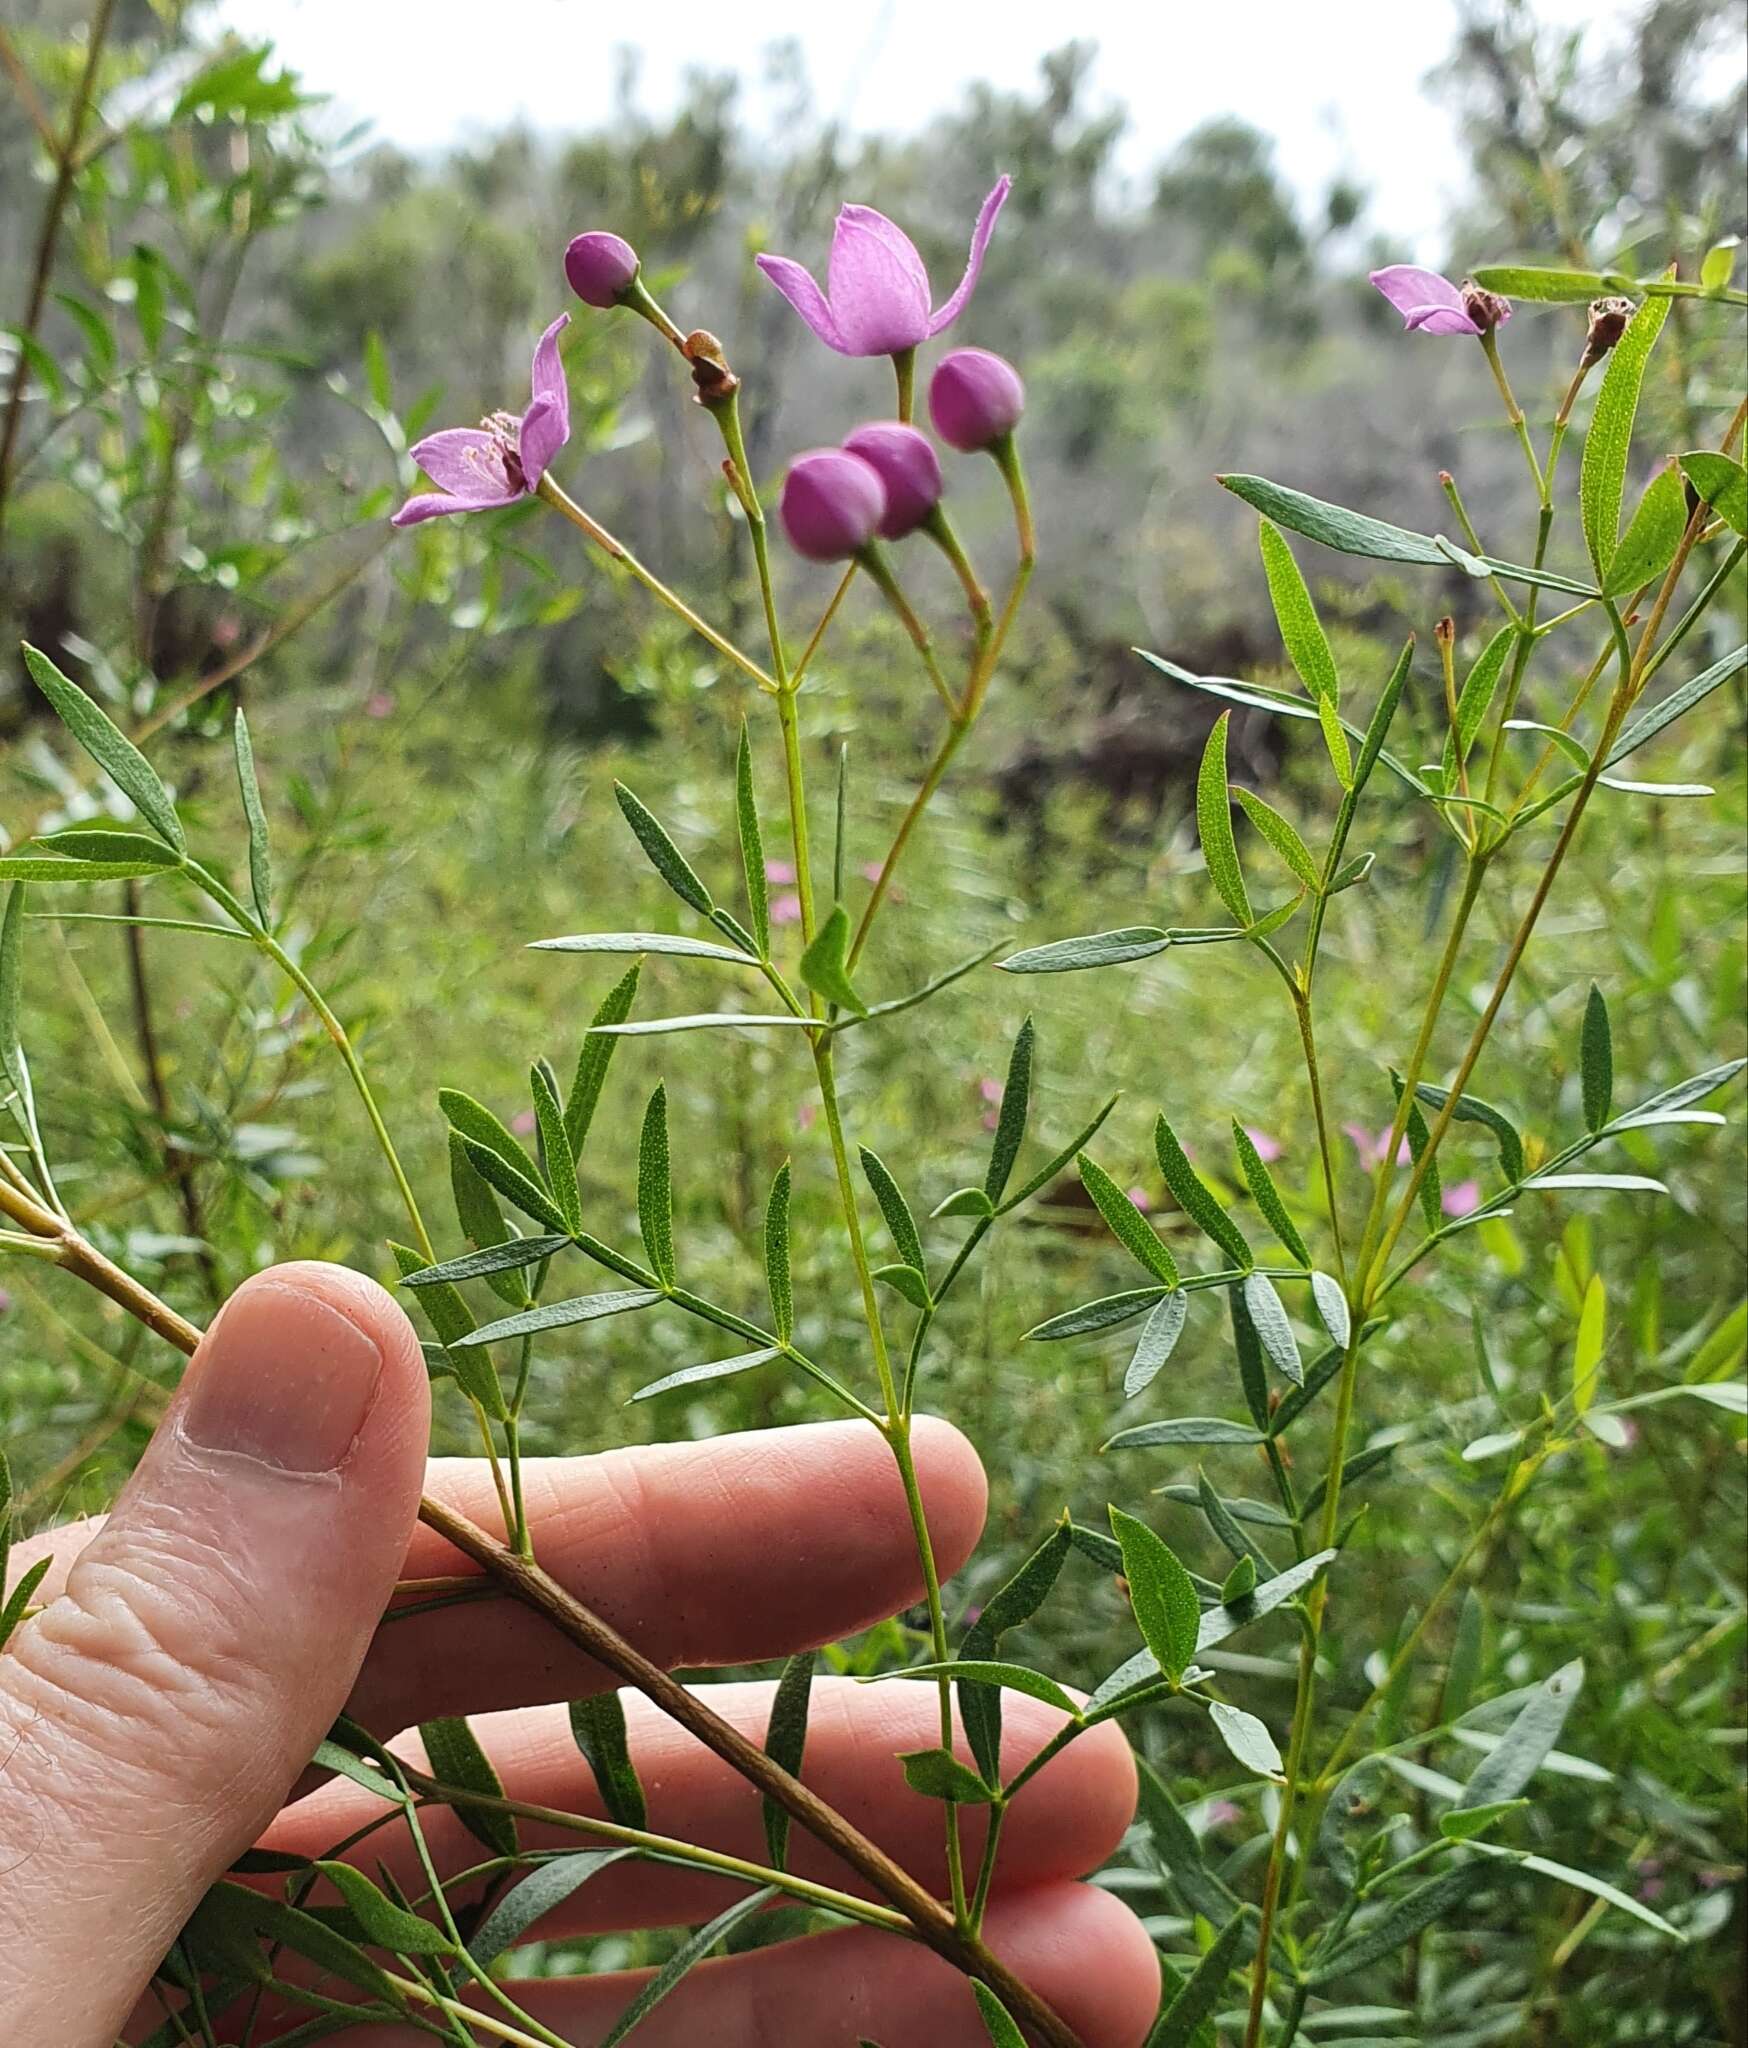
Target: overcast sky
pixel 1339 87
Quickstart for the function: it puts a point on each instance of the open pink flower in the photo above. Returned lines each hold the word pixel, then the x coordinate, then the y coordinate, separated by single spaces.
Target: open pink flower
pixel 1430 304
pixel 786 909
pixel 1461 1198
pixel 877 298
pixel 502 459
pixel 1268 1149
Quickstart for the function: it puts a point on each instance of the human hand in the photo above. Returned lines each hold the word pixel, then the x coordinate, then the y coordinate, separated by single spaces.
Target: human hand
pixel 158 1714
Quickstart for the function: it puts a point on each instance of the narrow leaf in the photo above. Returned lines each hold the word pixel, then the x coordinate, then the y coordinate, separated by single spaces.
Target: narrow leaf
pixel 260 856
pixel 1198 1998
pixel 482 1222
pixel 1095 1315
pixel 1096 949
pixel 1607 446
pixel 457 1760
pixel 1275 1332
pixel 1195 1199
pixel 681 1962
pixel 559 1315
pixel 1127 1224
pixel 1016 1108
pixel 592 1060
pixel 716 1369
pixel 1266 1195
pixel 777 1273
pixel 1722 483
pixel 938 1774
pixel 1504 1771
pixel 108 746
pixel 598 1729
pixel 664 856
pixel 1159 1335
pixel 561 1165
pixel 1247 1738
pixel 1214 822
pixel 1017 1601
pixel 1653 534
pixel 655 1191
pixel 752 845
pixel 542 1891
pixel 786 1743
pixel 998 2022
pixel 1281 835
pixel 388 1925
pixel 1596 1061
pixel 895 1209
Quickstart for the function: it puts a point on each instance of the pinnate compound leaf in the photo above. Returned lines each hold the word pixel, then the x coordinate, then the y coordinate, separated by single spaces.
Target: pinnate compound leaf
pixel 1195 1199
pixel 1214 821
pixel 108 746
pixel 664 856
pixel 1161 1593
pixel 1608 445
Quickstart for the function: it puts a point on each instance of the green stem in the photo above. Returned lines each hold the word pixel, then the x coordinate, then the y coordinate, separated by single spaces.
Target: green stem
pixel 998 1814
pixel 904 367
pixel 727 417
pixel 879 572
pixel 1514 413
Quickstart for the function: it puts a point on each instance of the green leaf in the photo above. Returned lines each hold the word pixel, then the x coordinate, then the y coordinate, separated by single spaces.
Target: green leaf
pixel 457 1759
pixel 824 965
pixel 12 1059
pixel 18 1600
pixel 1475 699
pixel 1505 1770
pixel 1047 1173
pixel 1279 833
pixel 388 1925
pixel 495 1258
pixel 483 1224
pixel 980 1706
pixel 482 1131
pixel 715 1369
pixel 561 1167
pixel 1096 949
pixel 664 856
pixel 907 1281
pixel 1653 534
pixel 260 857
pixel 938 1774
pixel 895 1209
pixel 964 1202
pixel 1220 1622
pixel 1198 1998
pixel 559 1315
pixel 1602 475
pixel 1471 1109
pixel 1469 1821
pixel 655 1190
pixel 752 845
pixel 452 1320
pixel 1185 1429
pixel 1016 1108
pixel 984 1671
pixel 1195 1200
pixel 1266 1195
pixel 1127 1224
pixel 1596 1061
pixel 681 1961
pixel 1158 1339
pixel 134 849
pixel 1406 1917
pixel 1353 533
pixel 786 1743
pixel 598 1729
pixel 1239 1583
pixel 1296 615
pixel 672 944
pixel 545 1888
pixel 1547 287
pixel 1274 1331
pixel 1723 484
pixel 1247 1738
pixel 1718 263
pixel 1332 1308
pixel 27 867
pixel 1649 723
pixel 1095 1315
pixel 1588 1349
pixel 777 1273
pixel 333 1756
pixel 1161 1593
pixel 108 746
pixel 1582 1880
pixel 1180 1852
pixel 1214 821
pixel 233 1914
pixel 1225 1526
pixel 998 2022
pixel 597 1050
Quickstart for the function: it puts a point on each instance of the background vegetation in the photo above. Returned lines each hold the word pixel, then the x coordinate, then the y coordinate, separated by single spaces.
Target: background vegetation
pixel 246 319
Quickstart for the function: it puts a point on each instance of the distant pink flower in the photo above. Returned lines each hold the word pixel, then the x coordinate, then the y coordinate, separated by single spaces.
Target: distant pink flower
pixel 502 460
pixel 5 1302
pixel 1430 304
pixel 1461 1198
pixel 379 704
pixel 522 1123
pixel 990 1089
pixel 870 871
pixel 877 298
pixel 805 1115
pixel 1142 1199
pixel 1371 1148
pixel 1268 1149
pixel 786 909
pixel 1222 1813
pixel 990 1120
pixel 779 871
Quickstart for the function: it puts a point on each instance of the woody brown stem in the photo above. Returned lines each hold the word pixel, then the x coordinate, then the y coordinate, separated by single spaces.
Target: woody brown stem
pixel 535 1588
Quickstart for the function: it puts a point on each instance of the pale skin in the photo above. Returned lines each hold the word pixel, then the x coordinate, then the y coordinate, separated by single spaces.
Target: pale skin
pixel 157 1715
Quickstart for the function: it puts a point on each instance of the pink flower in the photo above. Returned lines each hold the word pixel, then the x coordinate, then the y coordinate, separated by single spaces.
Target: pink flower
pixel 975 399
pixel 805 1115
pixel 779 871
pixel 379 704
pixel 503 459
pixel 1142 1199
pixel 1371 1148
pixel 1430 304
pixel 523 1122
pixel 990 1089
pixel 877 297
pixel 1461 1198
pixel 786 909
pixel 1268 1149
pixel 1222 1813
pixel 870 871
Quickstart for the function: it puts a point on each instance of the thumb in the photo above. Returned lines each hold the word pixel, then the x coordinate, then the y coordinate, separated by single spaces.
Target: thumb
pixel 153 1717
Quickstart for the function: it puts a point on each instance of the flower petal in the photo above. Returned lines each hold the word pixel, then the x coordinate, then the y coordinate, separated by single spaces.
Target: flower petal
pixel 879 288
pixel 1425 300
pixel 950 311
pixel 430 505
pixel 546 425
pixel 465 460
pixel 797 286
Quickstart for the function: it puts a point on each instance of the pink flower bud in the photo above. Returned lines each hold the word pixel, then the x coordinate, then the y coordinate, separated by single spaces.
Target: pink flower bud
pixel 909 468
pixel 974 399
pixel 600 268
pixel 832 504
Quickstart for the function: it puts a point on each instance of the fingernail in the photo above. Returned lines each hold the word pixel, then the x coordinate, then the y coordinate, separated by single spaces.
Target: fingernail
pixel 282 1377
